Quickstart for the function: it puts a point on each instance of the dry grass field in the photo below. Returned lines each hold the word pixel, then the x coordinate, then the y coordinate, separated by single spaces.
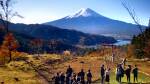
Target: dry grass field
pixel 40 70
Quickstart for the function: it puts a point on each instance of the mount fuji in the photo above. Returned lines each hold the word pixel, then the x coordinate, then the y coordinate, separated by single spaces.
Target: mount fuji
pixel 84 13
pixel 89 21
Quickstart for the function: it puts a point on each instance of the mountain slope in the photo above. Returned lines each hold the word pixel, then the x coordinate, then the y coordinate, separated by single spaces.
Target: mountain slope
pixel 64 38
pixel 70 37
pixel 88 21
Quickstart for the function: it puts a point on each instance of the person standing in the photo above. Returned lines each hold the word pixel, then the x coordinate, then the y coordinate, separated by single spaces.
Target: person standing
pixel 135 73
pixel 82 74
pixel 74 79
pixel 62 78
pixel 78 78
pixel 102 74
pixel 69 70
pixel 107 73
pixel 119 73
pixel 128 72
pixel 57 79
pixel 68 74
pixel 89 77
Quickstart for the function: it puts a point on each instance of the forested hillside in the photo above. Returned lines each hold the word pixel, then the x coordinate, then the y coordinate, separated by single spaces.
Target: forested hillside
pixel 140 44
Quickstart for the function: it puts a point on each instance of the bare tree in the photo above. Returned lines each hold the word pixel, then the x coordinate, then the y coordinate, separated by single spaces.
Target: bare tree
pixel 6 14
pixel 134 17
pixel 132 14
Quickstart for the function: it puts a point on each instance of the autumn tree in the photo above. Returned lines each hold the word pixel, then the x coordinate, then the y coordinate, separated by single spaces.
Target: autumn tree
pixel 9 45
pixel 6 14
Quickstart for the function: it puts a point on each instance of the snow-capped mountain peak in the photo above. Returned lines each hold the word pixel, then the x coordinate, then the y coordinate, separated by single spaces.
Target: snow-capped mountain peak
pixel 88 21
pixel 84 12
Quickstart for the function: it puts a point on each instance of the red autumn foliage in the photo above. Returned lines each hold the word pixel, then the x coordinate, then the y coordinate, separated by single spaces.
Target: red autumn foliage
pixel 9 45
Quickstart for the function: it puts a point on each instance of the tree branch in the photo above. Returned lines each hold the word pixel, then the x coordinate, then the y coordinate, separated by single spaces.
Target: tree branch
pixel 132 15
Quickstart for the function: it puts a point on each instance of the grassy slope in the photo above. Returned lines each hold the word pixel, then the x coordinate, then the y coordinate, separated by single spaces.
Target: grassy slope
pixel 27 75
pixel 22 71
pixel 8 75
pixel 94 64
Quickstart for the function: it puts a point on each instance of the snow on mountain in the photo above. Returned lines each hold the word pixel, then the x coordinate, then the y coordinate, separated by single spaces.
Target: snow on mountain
pixel 89 21
pixel 84 12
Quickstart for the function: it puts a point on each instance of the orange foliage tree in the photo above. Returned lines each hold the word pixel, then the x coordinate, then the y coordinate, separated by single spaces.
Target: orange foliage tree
pixel 9 45
pixel 6 14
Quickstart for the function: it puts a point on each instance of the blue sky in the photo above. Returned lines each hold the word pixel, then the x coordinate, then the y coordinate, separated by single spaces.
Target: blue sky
pixel 40 11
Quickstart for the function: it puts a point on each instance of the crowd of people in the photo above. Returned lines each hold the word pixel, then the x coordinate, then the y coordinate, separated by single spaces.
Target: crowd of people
pixel 72 78
pixel 120 72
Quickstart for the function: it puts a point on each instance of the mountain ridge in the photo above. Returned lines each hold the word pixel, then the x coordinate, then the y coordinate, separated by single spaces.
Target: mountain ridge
pixel 71 37
pixel 65 39
pixel 87 22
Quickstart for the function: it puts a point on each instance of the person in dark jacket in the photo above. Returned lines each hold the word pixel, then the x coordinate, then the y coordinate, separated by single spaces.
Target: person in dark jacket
pixel 89 77
pixel 119 73
pixel 128 72
pixel 69 70
pixel 135 73
pixel 57 79
pixel 82 74
pixel 68 74
pixel 102 74
pixel 62 78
